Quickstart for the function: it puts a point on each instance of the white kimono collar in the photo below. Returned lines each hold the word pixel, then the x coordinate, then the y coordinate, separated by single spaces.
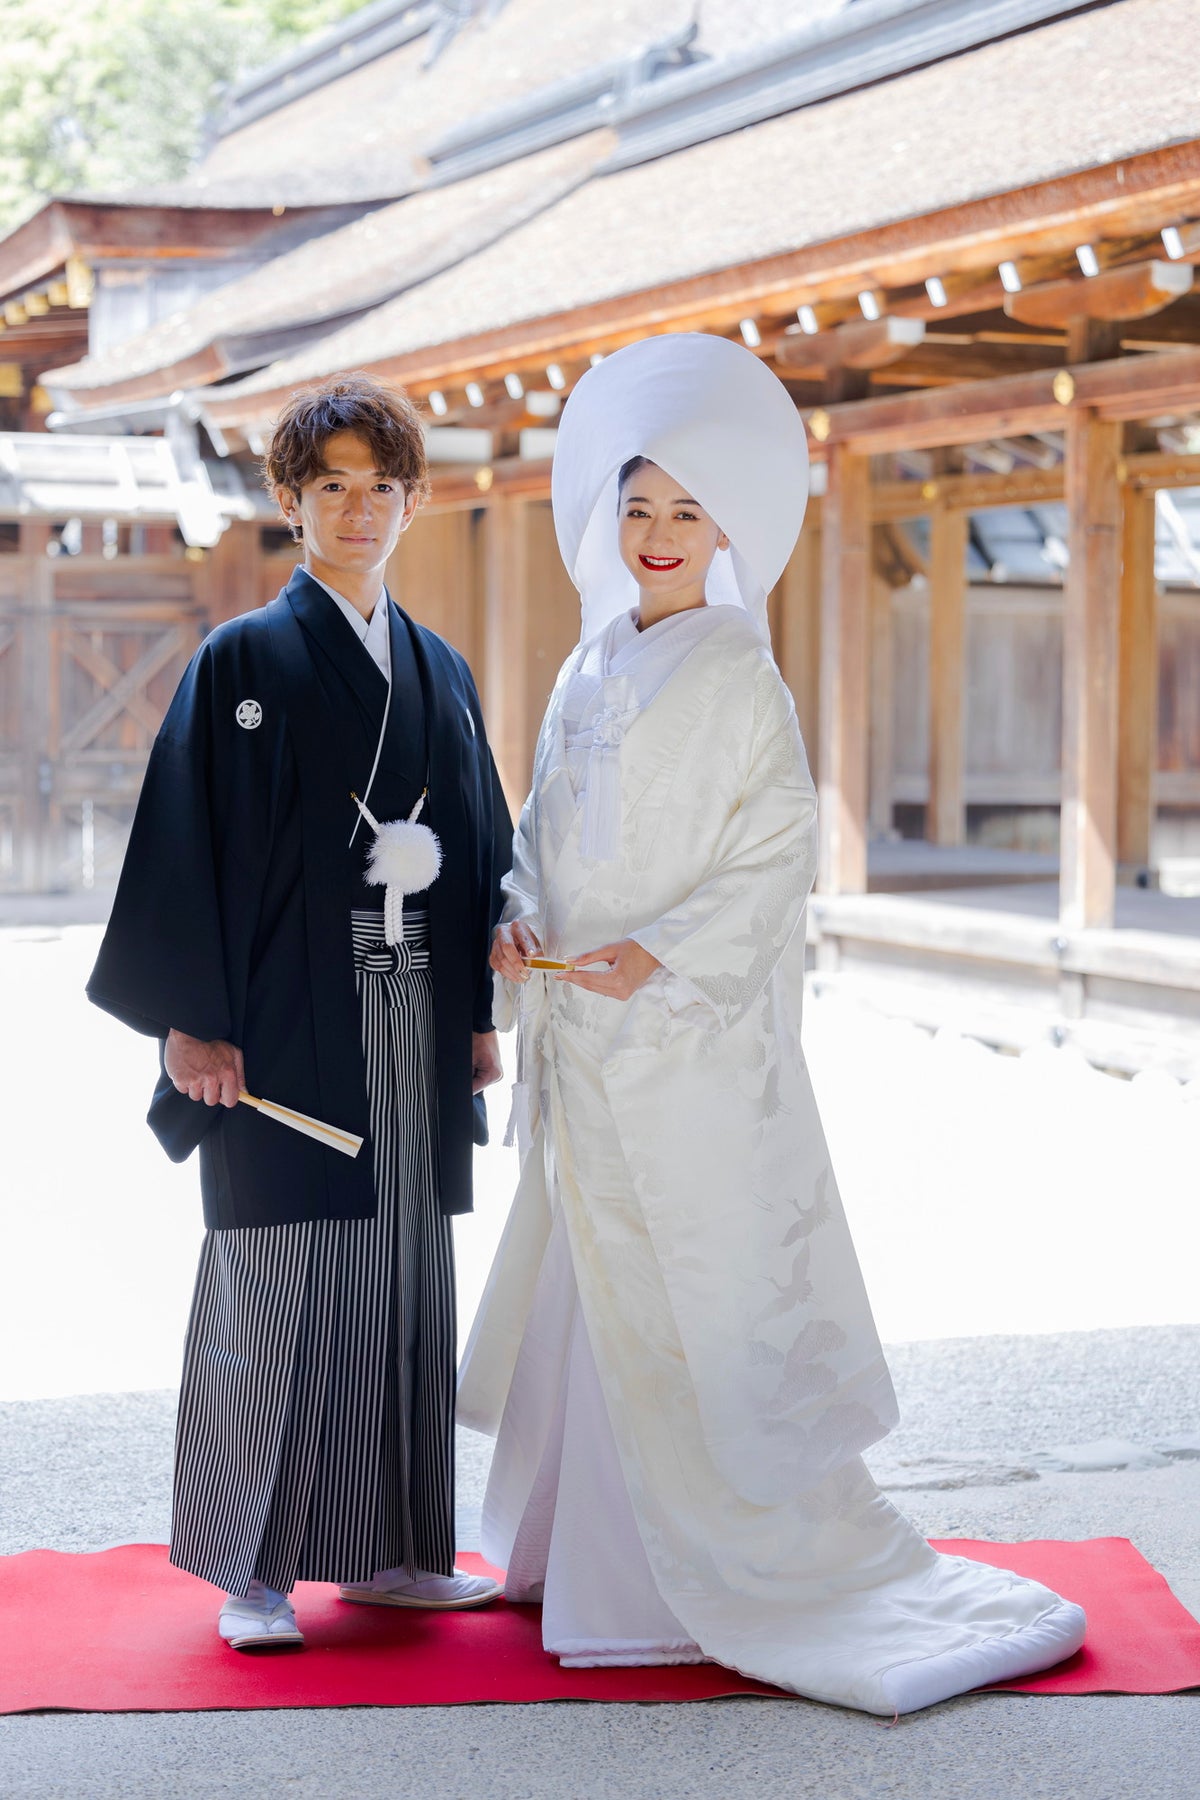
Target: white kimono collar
pixel 619 675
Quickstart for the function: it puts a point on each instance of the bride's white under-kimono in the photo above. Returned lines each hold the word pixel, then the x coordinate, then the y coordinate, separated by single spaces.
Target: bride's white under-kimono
pixel 675 1351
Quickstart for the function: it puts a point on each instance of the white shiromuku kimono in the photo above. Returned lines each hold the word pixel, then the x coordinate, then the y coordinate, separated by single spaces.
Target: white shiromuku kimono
pixel 675 1350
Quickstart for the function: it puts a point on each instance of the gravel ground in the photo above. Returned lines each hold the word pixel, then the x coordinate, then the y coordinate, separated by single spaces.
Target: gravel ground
pixel 1030 1237
pixel 1002 1747
pixel 991 1398
pixel 987 1194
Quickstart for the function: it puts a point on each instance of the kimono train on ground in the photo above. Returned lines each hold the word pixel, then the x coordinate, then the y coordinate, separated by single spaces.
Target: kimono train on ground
pixel 675 1350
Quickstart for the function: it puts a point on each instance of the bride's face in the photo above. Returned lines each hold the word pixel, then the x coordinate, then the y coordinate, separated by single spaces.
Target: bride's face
pixel 667 541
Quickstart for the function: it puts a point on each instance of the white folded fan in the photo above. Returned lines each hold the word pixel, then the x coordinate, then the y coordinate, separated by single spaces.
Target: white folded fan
pixel 345 1141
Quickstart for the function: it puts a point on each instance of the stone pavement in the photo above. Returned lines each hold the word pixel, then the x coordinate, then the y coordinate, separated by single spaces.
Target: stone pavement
pixel 85 1473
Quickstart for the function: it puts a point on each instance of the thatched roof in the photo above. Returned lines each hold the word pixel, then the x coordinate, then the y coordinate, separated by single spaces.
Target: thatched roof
pixel 363 135
pixel 343 272
pixel 1088 90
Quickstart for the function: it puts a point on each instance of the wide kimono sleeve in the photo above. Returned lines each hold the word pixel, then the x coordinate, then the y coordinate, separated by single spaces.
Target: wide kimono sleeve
pixel 178 949
pixel 520 885
pixel 522 889
pixel 162 963
pixel 725 939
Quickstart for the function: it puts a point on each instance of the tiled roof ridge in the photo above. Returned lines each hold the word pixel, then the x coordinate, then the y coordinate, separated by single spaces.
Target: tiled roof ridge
pixel 370 32
pixel 657 108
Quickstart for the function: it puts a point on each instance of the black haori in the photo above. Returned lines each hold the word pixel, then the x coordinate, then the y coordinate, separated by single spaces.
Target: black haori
pixel 316 1414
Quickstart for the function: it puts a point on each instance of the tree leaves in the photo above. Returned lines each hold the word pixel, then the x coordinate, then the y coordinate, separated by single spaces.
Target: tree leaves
pixel 108 94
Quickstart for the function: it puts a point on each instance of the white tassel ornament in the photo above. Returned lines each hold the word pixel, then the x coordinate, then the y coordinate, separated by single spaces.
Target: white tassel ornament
pixel 405 858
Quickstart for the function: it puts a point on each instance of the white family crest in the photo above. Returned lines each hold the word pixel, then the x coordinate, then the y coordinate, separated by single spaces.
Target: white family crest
pixel 249 715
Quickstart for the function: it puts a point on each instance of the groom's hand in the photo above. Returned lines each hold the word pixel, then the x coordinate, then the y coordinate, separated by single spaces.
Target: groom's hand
pixel 485 1060
pixel 212 1072
pixel 629 968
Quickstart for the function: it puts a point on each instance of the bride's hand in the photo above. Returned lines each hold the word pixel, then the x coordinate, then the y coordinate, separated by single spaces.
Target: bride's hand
pixel 629 968
pixel 511 944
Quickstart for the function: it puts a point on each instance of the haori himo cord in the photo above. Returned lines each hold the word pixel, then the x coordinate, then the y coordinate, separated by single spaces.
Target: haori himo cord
pixel 287 944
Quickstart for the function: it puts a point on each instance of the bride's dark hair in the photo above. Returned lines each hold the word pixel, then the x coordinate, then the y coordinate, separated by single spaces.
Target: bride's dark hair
pixel 629 469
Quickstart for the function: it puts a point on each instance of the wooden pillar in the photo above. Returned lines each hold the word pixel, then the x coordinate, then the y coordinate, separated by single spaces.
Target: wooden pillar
pixel 226 582
pixel 845 603
pixel 1091 613
pixel 37 850
pixel 1137 710
pixel 882 731
pixel 945 813
pixel 434 574
pixel 1094 340
pixel 796 629
pixel 507 628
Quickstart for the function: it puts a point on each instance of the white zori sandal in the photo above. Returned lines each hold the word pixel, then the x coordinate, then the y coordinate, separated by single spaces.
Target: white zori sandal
pixel 413 1587
pixel 261 1620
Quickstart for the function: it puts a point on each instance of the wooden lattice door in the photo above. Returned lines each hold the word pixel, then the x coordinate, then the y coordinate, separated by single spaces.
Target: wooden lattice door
pixel 97 649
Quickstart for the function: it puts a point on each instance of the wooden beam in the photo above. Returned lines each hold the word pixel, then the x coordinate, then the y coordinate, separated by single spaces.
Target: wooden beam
pixel 892 501
pixel 1091 614
pixel 945 814
pixel 512 476
pixel 1130 387
pixel 1144 472
pixel 1133 196
pixel 858 344
pixel 1134 291
pixel 935 363
pixel 845 602
pixel 1152 469
pixel 1137 706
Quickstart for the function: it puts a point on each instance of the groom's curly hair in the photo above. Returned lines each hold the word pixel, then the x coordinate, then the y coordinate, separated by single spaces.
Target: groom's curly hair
pixel 382 415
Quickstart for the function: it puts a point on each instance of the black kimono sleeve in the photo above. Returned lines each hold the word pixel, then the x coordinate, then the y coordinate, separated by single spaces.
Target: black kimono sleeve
pixel 175 955
pixel 161 965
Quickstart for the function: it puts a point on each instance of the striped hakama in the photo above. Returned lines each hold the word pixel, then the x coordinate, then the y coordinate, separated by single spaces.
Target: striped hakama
pixel 316 1415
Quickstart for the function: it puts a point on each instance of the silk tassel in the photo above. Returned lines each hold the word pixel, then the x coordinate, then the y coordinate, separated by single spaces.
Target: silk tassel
pixel 406 858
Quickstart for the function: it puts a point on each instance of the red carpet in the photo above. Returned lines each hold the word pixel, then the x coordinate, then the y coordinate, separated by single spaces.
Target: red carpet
pixel 121 1631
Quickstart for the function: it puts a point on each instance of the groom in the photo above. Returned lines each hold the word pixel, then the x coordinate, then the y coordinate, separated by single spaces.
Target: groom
pixel 249 935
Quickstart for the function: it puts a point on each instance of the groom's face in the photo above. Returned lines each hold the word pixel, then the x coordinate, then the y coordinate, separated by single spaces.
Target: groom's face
pixel 351 514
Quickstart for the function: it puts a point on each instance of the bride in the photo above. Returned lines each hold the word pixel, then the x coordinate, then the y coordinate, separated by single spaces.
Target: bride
pixel 675 1351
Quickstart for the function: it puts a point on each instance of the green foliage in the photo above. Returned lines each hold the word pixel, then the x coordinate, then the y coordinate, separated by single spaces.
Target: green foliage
pixel 106 94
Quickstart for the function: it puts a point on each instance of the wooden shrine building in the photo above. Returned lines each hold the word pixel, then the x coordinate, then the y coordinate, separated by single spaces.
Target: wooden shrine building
pixel 963 232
